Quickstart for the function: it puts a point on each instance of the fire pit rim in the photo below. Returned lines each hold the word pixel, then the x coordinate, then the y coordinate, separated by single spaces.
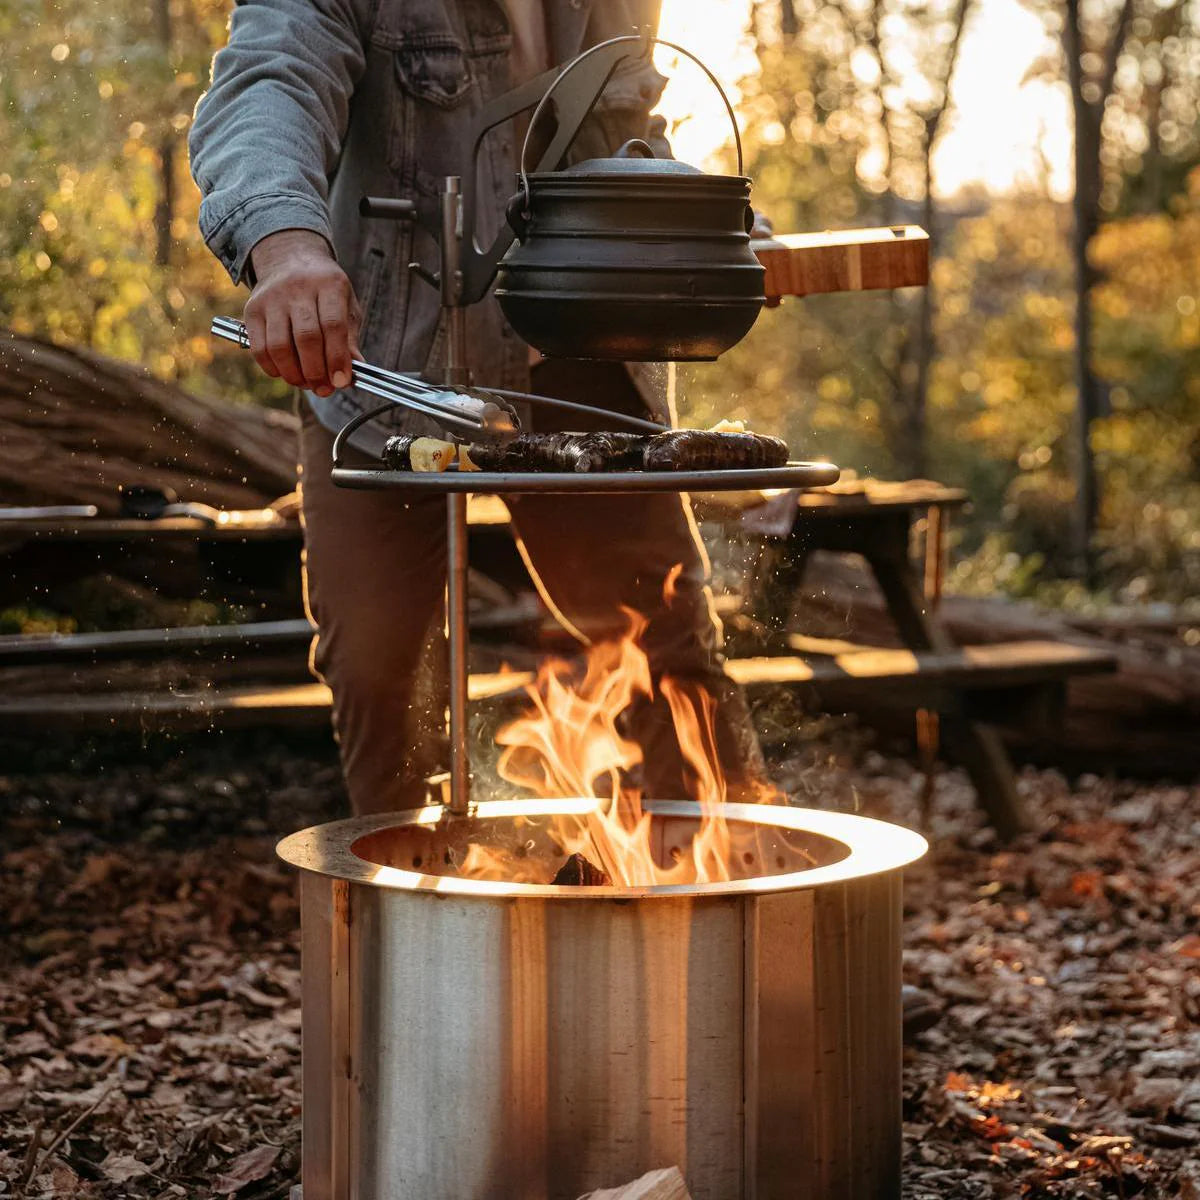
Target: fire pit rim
pixel 875 847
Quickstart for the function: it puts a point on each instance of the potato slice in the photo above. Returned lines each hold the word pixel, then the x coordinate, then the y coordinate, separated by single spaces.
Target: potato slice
pixel 431 454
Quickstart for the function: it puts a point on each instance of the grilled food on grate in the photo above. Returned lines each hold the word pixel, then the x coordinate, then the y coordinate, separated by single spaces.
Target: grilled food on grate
pixel 408 453
pixel 579 452
pixel 712 450
pixel 672 450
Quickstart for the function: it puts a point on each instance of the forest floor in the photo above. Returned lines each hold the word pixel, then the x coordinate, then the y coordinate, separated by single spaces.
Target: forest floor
pixel 149 975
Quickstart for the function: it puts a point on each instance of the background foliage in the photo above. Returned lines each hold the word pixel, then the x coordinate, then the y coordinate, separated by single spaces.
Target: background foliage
pixel 98 245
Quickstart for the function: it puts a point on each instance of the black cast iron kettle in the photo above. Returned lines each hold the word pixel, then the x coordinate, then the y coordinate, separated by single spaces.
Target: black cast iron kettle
pixel 632 257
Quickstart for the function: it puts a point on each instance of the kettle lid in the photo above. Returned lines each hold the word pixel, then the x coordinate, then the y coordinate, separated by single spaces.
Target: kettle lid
pixel 635 157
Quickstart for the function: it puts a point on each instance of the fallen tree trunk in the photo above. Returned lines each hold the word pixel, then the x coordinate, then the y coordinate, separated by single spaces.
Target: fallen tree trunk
pixel 75 426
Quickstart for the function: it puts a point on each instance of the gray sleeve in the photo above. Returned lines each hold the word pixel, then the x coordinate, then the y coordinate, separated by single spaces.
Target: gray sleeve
pixel 268 132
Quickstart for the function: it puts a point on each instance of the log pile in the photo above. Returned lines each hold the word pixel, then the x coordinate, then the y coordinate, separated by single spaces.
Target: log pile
pixel 75 426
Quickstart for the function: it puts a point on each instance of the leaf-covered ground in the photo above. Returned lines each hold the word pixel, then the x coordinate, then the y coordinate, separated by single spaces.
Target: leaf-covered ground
pixel 149 978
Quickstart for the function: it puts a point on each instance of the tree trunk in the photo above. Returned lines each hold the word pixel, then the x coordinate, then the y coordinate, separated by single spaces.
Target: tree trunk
pixel 789 24
pixel 1085 210
pixel 164 212
pixel 919 449
pixel 916 449
pixel 1088 114
pixel 75 425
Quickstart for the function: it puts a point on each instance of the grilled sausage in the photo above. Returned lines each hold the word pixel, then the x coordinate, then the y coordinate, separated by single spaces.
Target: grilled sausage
pixel 709 450
pixel 581 453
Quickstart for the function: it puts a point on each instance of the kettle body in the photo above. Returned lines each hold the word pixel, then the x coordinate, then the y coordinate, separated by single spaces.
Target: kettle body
pixel 631 258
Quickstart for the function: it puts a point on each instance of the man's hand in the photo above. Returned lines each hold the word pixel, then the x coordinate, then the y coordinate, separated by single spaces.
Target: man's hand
pixel 302 316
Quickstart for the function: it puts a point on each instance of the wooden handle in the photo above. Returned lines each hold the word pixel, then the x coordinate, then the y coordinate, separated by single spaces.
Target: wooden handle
pixel 845 260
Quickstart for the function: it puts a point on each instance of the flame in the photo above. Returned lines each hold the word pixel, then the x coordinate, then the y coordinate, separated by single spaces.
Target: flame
pixel 570 744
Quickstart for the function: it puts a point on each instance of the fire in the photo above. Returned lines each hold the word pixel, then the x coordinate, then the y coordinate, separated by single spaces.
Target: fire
pixel 570 743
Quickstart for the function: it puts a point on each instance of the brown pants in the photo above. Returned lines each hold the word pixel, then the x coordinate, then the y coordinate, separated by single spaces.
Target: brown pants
pixel 374 572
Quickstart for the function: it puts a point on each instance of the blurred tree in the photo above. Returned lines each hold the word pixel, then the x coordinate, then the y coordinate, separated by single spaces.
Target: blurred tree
pixel 1133 73
pixel 860 88
pixel 1147 313
pixel 1151 138
pixel 98 237
pixel 914 453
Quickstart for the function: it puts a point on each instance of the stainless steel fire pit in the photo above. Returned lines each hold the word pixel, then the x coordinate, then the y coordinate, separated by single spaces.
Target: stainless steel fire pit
pixel 475 1039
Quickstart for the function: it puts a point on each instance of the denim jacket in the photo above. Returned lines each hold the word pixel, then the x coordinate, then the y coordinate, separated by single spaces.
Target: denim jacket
pixel 315 103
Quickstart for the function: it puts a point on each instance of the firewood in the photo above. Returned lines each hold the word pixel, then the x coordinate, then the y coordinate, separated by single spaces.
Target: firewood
pixel 664 1184
pixel 578 871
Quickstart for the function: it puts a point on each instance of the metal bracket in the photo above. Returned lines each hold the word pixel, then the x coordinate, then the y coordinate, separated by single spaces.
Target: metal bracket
pixel 591 73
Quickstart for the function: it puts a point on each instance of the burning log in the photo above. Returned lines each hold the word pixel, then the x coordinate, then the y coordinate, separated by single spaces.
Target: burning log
pixel 578 871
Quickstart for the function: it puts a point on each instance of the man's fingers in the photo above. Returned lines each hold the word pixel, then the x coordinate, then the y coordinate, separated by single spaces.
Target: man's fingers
pixel 335 325
pixel 256 330
pixel 280 347
pixel 310 343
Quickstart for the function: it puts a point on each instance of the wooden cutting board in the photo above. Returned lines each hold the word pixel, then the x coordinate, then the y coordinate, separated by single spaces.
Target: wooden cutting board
pixel 843 260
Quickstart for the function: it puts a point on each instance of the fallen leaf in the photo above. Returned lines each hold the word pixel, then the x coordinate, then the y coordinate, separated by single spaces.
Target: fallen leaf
pixel 246 1168
pixel 121 1168
pixel 1188 947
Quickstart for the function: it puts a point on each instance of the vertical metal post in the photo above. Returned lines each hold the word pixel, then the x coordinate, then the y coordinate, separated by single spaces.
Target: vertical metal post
pixel 458 642
pixel 457 372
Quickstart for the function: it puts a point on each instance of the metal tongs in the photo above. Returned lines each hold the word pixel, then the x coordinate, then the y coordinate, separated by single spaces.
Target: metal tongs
pixel 474 413
pixel 460 413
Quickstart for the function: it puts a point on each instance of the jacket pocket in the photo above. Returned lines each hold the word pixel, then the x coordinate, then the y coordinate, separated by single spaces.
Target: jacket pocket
pixel 369 302
pixel 434 68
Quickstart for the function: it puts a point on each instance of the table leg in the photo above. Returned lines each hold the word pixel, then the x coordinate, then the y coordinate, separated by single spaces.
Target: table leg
pixel 778 574
pixel 928 719
pixel 978 747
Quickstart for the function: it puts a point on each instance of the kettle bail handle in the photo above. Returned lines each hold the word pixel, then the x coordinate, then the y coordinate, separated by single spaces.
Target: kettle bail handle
pixel 647 40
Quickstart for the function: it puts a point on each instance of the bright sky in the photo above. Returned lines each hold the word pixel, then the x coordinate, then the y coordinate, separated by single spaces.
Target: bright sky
pixel 999 132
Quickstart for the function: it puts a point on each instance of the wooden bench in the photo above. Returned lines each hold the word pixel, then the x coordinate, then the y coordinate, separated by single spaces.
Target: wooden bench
pixel 1002 683
pixel 1018 684
pixel 212 706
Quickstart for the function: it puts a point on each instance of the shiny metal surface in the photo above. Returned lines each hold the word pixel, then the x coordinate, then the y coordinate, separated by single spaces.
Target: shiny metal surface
pixel 459 412
pixel 496 483
pixel 457 372
pixel 471 1040
pixel 457 634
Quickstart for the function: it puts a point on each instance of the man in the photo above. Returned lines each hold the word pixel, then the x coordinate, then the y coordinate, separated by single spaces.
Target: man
pixel 313 104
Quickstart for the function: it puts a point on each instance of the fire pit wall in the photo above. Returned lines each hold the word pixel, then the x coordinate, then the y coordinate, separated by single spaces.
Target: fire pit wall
pixel 468 1039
